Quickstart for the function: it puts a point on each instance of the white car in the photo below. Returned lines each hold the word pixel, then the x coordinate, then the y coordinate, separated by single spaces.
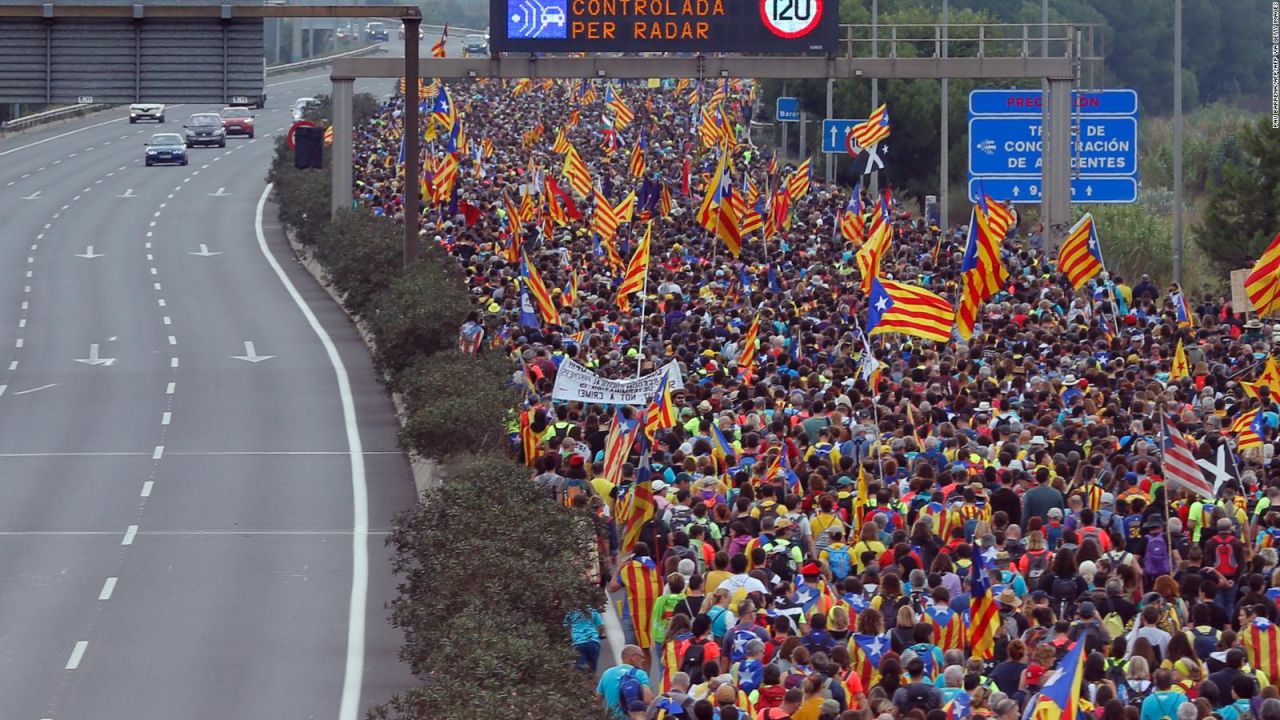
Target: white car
pixel 301 105
pixel 146 111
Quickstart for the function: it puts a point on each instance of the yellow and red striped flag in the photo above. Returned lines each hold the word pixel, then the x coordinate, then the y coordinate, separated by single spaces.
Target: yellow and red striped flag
pixel 604 218
pixel 1080 257
pixel 538 290
pixel 637 272
pixel 664 201
pixel 900 308
pixel 622 112
pixel 1249 429
pixel 511 253
pixel 445 177
pixel 561 143
pixel 1262 646
pixel 747 348
pixel 639 576
pixel 1263 282
pixel 575 170
pixel 328 135
pixel 1270 376
pixel 661 412
pixel 984 613
pixel 528 438
pixel 800 180
pixel 852 226
pixel 522 86
pixel 437 50
pixel 626 209
pixel 872 130
pixel 617 446
pixel 949 632
pixel 982 271
pixel 637 157
pixel 879 237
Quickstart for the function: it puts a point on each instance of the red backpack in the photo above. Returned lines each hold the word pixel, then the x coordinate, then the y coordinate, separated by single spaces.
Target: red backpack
pixel 1224 559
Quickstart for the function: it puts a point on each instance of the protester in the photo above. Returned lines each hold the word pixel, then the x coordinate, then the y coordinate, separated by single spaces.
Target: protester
pixel 806 483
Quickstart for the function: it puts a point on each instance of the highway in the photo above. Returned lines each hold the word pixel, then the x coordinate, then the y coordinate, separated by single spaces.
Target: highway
pixel 198 467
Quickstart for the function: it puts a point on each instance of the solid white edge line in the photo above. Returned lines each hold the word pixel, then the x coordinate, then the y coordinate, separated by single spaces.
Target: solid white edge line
pixel 77 654
pixel 108 587
pixel 353 677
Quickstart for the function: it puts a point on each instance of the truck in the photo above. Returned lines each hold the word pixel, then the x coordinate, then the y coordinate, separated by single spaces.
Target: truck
pixel 256 102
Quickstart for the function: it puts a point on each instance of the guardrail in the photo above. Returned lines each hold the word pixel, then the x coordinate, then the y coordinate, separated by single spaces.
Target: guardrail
pixel 50 116
pixel 316 62
pixel 71 111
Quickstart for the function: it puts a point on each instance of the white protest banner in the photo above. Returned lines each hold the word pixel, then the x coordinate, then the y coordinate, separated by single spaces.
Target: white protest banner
pixel 575 382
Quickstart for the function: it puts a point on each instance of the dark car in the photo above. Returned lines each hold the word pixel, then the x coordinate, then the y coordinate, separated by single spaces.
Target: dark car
pixel 166 149
pixel 476 45
pixel 205 129
pixel 237 121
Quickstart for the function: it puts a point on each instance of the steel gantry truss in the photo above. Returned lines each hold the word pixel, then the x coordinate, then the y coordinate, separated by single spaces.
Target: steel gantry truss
pixel 1052 53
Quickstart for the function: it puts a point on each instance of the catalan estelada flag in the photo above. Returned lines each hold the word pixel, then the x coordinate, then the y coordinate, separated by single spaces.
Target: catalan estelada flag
pixel 437 50
pixel 982 271
pixel 443 109
pixel 872 130
pixel 661 412
pixel 800 180
pixel 984 613
pixel 622 112
pixel 1249 429
pixel 900 308
pixel 1262 284
pixel 948 628
pixel 865 654
pixel 1080 257
pixel 576 172
pixel 642 584
pixel 528 438
pixel 538 291
pixel 1262 646
pixel 586 93
pixel 879 237
pixel 852 226
pixel 721 448
pixel 617 445
pixel 1060 696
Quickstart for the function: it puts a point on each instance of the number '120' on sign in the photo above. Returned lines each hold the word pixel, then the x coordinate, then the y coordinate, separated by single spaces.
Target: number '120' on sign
pixel 790 18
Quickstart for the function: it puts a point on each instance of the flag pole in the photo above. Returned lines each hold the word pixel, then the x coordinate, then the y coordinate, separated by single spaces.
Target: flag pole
pixel 875 411
pixel 644 297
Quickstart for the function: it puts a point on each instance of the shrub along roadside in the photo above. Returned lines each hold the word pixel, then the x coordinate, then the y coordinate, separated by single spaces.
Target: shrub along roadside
pixel 489 564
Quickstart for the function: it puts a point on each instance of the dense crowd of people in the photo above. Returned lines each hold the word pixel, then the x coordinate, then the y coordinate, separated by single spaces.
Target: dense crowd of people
pixel 978 528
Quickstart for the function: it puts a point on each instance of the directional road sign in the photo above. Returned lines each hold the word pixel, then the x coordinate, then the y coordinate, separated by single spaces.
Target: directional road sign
pixel 788 110
pixel 834 132
pixel 1083 190
pixel 1028 102
pixel 1014 146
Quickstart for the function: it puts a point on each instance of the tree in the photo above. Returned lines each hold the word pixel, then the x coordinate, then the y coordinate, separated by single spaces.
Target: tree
pixel 1241 217
pixel 420 311
pixel 460 403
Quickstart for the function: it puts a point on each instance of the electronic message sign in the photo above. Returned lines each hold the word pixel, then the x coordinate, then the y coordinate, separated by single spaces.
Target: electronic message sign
pixel 754 26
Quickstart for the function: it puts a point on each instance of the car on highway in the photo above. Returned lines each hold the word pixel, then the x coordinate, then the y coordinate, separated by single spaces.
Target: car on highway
pixel 476 45
pixel 146 111
pixel 205 129
pixel 166 149
pixel 237 121
pixel 376 32
pixel 302 105
pixel 421 33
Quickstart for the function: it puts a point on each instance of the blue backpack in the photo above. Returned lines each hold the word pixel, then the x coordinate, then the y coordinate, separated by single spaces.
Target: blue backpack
pixel 630 689
pixel 840 563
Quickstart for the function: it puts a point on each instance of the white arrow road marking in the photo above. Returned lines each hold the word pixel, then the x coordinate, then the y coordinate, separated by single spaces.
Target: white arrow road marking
pixel 34 390
pixel 222 192
pixel 128 194
pixel 93 358
pixel 204 251
pixel 251 354
pixel 89 253
pixel 33 196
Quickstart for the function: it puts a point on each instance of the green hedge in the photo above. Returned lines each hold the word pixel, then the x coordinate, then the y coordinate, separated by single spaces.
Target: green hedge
pixel 489 564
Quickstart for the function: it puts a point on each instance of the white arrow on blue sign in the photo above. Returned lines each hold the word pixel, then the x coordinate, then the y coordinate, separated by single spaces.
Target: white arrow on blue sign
pixel 1083 190
pixel 1014 146
pixel 788 110
pixel 834 132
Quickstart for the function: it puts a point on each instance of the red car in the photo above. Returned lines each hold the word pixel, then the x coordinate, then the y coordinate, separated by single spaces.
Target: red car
pixel 237 120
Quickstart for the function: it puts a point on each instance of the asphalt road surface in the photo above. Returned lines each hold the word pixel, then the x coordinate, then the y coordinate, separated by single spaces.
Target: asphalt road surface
pixel 190 526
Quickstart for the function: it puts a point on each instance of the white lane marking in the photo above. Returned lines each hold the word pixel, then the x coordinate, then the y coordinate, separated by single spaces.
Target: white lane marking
pixel 57 162
pixel 153 271
pixel 170 196
pixel 353 674
pixel 159 452
pixel 28 273
pixel 167 320
pixel 48 225
pixel 204 166
pixel 146 488
pixel 173 340
pixel 22 323
pixel 150 233
pixel 11 183
pixel 108 587
pixel 30 258
pixel 55 137
pixel 153 222
pixel 129 534
pixel 32 390
pixel 160 302
pixel 157 214
pixel 98 181
pixel 3 388
pixel 39 236
pixel 173 362
pixel 25 305
pixel 150 257
pixel 170 388
pixel 57 215
pixel 18 342
pixel 157 285
pixel 26 288
pixel 77 653
pixel 166 418
pixel 194 173
pixel 13 365
pixel 64 207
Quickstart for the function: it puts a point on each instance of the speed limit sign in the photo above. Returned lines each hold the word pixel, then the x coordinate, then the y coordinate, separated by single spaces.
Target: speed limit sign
pixel 791 18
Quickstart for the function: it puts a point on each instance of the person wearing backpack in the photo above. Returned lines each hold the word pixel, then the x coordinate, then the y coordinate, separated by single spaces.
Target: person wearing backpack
pixel 837 557
pixel 624 684
pixel 1037 559
pixel 919 693
pixel 698 648
pixel 1164 702
pixel 1157 558
pixel 1203 636
pixel 1064 585
pixel 1225 553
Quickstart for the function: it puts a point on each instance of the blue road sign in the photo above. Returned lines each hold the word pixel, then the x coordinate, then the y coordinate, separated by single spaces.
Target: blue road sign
pixel 1013 146
pixel 536 19
pixel 788 110
pixel 1083 190
pixel 1028 102
pixel 834 132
